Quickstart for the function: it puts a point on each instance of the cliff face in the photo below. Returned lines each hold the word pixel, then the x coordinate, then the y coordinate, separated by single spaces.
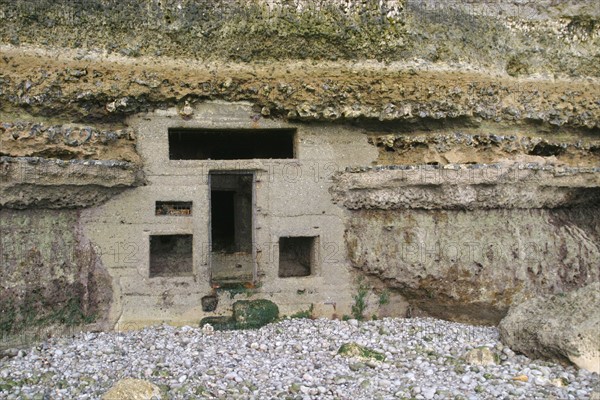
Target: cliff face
pixel 522 38
pixel 51 275
pixel 471 266
pixel 435 89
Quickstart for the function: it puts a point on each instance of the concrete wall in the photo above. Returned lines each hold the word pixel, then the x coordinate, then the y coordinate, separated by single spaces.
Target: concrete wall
pixel 291 199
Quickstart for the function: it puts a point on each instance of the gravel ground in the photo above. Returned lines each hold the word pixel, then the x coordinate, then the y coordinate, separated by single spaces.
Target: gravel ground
pixel 294 358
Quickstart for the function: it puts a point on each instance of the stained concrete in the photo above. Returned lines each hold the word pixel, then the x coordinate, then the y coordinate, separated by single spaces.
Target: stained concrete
pixel 291 199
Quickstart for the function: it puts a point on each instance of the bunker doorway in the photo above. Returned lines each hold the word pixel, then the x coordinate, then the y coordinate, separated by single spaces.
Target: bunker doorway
pixel 231 228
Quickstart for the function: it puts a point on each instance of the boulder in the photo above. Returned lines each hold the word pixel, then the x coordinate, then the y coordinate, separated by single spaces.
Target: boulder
pixel 471 267
pixel 254 313
pixel 247 314
pixel 132 389
pixel 562 327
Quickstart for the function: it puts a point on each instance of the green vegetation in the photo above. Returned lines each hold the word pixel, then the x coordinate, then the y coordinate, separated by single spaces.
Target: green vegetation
pixel 384 297
pixel 255 313
pixel 304 314
pixel 360 300
pixel 34 311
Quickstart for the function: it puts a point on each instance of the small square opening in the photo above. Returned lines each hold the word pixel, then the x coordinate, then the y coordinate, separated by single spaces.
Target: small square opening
pixel 171 255
pixel 296 256
pixel 179 208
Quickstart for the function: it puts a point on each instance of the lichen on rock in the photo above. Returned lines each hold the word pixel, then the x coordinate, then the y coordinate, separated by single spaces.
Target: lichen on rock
pixel 355 350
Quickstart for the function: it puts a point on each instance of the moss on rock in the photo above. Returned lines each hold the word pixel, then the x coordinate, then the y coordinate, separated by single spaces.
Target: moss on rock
pixel 251 314
pixel 355 350
pixel 247 314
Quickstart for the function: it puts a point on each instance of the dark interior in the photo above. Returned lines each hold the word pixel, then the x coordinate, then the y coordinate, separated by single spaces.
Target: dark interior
pixel 222 220
pixel 296 255
pixel 230 144
pixel 171 255
pixel 231 212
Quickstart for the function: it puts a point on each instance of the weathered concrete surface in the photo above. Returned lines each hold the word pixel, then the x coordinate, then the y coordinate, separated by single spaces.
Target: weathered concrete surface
pixel 50 273
pixel 563 327
pixel 291 198
pixel 467 187
pixel 472 265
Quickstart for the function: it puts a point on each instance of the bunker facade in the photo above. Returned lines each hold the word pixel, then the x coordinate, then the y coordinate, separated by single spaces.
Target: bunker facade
pixel 258 215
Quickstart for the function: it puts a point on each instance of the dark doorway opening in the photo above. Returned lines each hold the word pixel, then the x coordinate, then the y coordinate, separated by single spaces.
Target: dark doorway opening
pixel 222 215
pixel 231 211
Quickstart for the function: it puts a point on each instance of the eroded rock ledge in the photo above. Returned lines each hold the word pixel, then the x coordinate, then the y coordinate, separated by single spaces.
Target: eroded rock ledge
pixel 34 182
pixel 524 37
pixel 467 187
pixel 67 87
pixel 67 142
pixel 465 242
pixel 481 146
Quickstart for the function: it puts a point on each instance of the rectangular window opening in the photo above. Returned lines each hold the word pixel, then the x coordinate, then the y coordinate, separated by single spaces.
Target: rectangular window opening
pixel 231 209
pixel 297 256
pixel 171 255
pixel 230 144
pixel 174 208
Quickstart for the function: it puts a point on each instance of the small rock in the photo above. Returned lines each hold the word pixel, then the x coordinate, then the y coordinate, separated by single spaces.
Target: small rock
pixel 187 111
pixel 428 393
pixel 356 366
pixel 132 389
pixel 480 356
pixel 208 329
pixel 521 378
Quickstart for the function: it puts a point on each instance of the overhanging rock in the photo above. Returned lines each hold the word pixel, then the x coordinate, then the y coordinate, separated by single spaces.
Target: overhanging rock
pixel 467 187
